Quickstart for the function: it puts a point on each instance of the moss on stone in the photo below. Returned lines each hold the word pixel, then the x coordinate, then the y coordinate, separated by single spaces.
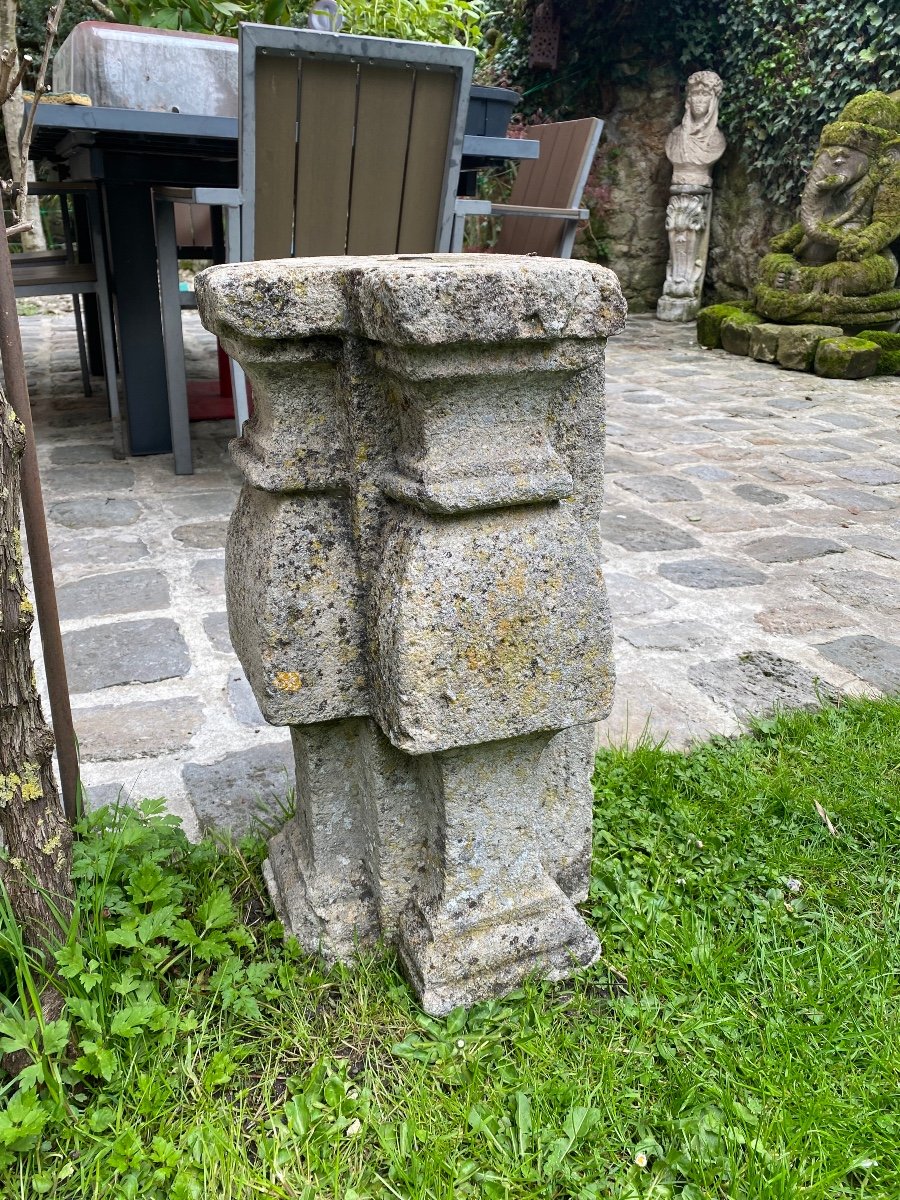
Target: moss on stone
pixel 846 358
pixel 736 330
pixel 709 321
pixel 889 345
pixel 808 308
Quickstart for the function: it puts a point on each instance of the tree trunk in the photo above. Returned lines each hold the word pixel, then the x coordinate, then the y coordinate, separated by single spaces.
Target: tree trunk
pixel 12 124
pixel 38 840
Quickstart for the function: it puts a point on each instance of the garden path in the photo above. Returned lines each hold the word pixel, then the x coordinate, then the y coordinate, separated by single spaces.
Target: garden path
pixel 751 538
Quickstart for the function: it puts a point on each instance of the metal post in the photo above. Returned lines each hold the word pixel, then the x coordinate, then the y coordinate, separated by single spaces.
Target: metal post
pixel 38 544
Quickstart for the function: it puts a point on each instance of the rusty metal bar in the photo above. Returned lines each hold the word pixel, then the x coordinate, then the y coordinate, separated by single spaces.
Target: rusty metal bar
pixel 38 544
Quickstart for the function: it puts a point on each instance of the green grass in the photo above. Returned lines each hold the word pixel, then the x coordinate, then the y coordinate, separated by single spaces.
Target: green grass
pixel 753 1051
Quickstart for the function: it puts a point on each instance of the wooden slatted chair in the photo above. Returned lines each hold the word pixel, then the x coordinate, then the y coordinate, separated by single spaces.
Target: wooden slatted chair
pixel 544 210
pixel 77 271
pixel 347 145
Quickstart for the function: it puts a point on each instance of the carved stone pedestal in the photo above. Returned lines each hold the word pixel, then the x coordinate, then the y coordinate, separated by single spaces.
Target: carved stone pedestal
pixel 687 223
pixel 414 588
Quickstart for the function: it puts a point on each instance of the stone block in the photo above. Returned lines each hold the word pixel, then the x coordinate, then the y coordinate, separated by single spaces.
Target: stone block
pixel 846 358
pixel 736 331
pixel 709 321
pixel 764 342
pixel 797 344
pixel 414 586
pixel 118 652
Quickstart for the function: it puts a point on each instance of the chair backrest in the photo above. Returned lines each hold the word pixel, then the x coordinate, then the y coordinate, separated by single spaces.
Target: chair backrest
pixel 555 180
pixel 348 145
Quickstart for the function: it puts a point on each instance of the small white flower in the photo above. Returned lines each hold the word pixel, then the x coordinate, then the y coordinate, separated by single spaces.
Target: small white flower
pixel 460 1044
pixel 699 844
pixel 640 1159
pixel 793 885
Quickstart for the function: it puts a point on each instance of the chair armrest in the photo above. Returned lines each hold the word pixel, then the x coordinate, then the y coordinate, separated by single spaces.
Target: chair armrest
pixel 525 210
pixel 472 208
pixel 226 197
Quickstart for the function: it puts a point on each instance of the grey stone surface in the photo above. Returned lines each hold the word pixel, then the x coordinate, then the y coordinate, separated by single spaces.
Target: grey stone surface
pixel 710 573
pixel 816 454
pixel 668 635
pixel 113 592
pixel 758 681
pixel 91 478
pixel 244 791
pixel 119 652
pixel 202 535
pixel 757 494
pixel 110 732
pixel 853 498
pixel 203 504
pixel 94 512
pixel 208 574
pixel 709 472
pixel 861 589
pixel 80 452
pixel 871 658
pixel 91 552
pixel 659 487
pixel 630 597
pixel 787 547
pixel 427 591
pixel 216 627
pixel 241 699
pixel 639 531
pixel 870 475
pixel 797 344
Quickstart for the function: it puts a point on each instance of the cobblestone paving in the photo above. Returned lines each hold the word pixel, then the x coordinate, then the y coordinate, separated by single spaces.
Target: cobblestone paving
pixel 752 549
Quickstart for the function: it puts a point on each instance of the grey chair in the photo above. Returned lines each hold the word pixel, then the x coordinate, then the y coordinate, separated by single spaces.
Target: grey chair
pixel 347 145
pixel 77 271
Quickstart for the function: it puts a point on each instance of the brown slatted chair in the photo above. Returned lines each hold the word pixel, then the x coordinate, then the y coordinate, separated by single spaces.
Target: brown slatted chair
pixel 543 212
pixel 348 145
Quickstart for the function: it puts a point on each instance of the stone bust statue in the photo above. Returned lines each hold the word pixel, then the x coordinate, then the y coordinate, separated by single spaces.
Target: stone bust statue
pixel 696 144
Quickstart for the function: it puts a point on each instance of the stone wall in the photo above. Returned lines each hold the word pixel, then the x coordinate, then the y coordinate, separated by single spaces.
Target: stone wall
pixel 743 222
pixel 638 172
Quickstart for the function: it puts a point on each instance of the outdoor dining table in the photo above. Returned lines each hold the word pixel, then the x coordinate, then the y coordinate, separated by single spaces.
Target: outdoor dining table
pixel 129 153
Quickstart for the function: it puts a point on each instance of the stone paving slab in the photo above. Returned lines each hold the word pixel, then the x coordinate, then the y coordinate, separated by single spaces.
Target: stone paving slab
pixel 751 542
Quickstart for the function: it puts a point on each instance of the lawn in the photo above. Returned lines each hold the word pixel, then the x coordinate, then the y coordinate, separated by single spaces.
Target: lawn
pixel 739 1039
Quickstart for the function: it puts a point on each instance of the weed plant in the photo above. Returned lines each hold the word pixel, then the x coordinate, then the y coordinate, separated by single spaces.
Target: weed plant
pixel 739 1038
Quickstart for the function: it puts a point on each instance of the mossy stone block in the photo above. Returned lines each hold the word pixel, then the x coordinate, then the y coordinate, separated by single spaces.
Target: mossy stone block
pixel 797 344
pixel 709 321
pixel 889 347
pixel 764 342
pixel 735 332
pixel 846 358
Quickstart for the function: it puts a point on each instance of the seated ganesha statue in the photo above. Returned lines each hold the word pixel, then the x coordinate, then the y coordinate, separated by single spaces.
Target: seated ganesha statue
pixel 836 264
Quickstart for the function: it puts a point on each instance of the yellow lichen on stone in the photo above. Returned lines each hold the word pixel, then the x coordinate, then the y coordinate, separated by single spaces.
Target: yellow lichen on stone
pixel 288 681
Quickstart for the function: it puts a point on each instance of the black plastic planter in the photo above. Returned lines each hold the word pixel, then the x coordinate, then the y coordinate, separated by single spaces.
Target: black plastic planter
pixel 490 110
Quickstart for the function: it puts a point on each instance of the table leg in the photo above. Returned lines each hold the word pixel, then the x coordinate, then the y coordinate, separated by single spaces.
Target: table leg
pixel 132 247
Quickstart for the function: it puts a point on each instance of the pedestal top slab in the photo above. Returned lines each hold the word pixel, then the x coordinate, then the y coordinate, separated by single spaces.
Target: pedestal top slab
pixel 413 300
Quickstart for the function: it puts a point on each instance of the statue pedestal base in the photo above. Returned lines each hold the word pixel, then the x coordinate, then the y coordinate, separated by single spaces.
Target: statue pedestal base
pixel 671 308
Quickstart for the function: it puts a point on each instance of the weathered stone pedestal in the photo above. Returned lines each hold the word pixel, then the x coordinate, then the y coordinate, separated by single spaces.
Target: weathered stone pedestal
pixel 688 219
pixel 414 588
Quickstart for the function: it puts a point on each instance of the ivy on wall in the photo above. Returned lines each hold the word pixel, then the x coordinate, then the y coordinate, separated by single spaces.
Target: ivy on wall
pixel 789 66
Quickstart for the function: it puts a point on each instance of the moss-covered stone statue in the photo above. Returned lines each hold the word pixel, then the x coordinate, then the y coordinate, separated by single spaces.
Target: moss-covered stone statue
pixel 836 264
